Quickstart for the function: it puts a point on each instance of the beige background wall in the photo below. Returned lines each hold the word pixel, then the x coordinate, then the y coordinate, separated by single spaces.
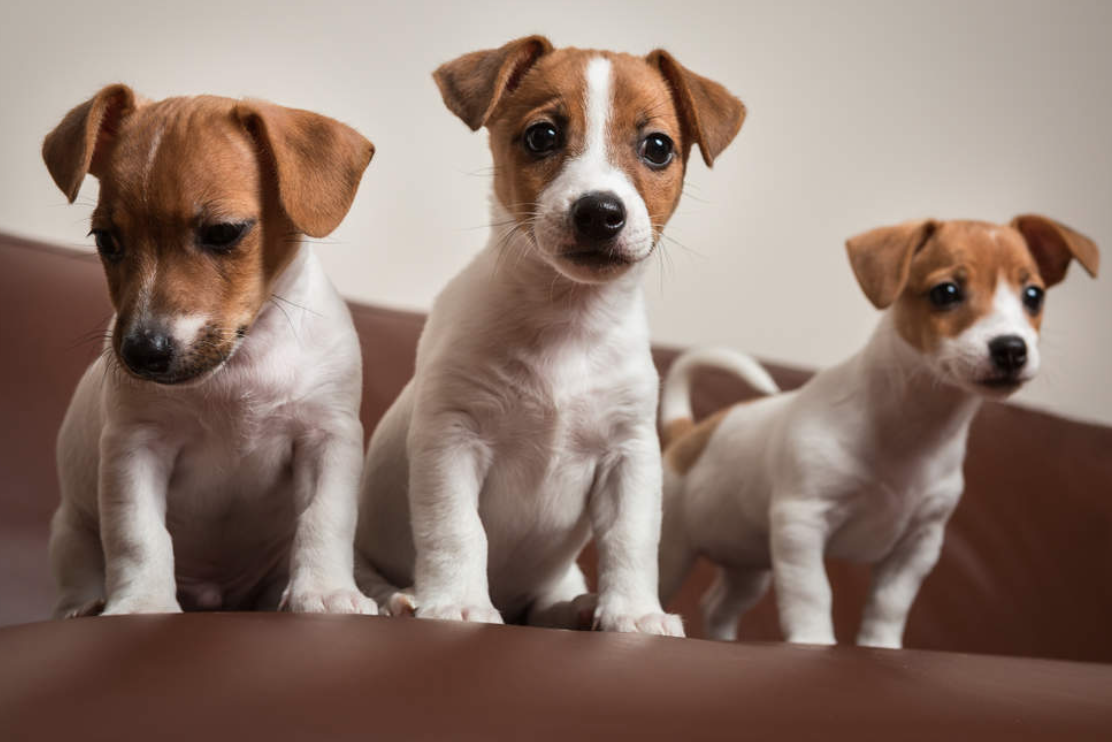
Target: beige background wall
pixel 861 113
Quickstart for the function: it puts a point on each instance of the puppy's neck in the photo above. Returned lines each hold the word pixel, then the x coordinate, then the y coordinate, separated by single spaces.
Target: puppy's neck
pixel 906 400
pixel 539 295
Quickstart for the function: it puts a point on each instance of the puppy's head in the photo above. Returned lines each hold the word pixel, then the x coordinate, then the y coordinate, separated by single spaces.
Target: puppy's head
pixel 969 295
pixel 589 147
pixel 201 200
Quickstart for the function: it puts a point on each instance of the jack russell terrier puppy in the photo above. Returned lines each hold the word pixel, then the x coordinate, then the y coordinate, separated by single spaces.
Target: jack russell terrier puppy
pixel 864 462
pixel 530 421
pixel 210 457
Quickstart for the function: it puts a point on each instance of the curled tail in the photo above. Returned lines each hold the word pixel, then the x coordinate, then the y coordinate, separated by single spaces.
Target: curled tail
pixel 676 417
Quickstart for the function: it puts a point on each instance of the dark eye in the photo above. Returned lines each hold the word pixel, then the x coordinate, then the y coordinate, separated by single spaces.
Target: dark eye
pixel 1033 299
pixel 223 236
pixel 657 150
pixel 542 138
pixel 946 295
pixel 107 245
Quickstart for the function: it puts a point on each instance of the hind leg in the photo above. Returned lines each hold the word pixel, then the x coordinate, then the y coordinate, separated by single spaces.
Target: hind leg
pixel 565 605
pixel 77 563
pixel 734 591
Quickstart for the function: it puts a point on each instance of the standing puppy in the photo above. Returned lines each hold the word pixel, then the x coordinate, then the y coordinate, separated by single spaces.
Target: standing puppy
pixel 530 421
pixel 211 455
pixel 864 462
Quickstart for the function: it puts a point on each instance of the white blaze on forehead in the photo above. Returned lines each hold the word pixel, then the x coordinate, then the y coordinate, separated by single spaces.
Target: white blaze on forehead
pixel 598 108
pixel 152 153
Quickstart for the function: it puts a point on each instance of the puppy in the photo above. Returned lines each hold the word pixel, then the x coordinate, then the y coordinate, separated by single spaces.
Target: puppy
pixel 864 462
pixel 529 423
pixel 210 457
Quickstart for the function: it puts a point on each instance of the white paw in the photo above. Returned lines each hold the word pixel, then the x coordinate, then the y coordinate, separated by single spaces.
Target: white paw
pixel 817 637
pixel 129 604
pixel 460 612
pixel 660 624
pixel 721 631
pixel 402 604
pixel 344 600
pixel 879 642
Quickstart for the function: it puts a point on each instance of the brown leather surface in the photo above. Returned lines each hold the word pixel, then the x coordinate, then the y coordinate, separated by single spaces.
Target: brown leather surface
pixel 244 676
pixel 1026 570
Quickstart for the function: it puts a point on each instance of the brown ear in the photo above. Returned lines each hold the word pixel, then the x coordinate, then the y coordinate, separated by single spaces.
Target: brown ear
pixel 318 162
pixel 1053 245
pixel 709 114
pixel 80 143
pixel 473 84
pixel 881 258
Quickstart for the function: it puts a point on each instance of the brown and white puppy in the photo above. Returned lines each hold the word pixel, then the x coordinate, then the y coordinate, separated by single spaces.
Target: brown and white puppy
pixel 864 462
pixel 530 421
pixel 211 455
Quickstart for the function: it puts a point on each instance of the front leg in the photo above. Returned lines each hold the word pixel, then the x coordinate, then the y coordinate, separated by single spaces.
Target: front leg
pixel 625 509
pixel 448 463
pixel 135 468
pixel 326 466
pixel 896 582
pixel 798 542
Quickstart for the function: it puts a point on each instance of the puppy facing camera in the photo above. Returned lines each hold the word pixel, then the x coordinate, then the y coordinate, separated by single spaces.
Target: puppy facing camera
pixel 529 425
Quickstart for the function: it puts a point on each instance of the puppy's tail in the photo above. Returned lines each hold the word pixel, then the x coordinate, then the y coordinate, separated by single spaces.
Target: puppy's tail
pixel 676 417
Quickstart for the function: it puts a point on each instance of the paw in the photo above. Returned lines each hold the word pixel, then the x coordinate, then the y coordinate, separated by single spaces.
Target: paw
pixel 345 600
pixel 470 612
pixel 879 642
pixel 819 637
pixel 402 604
pixel 133 604
pixel 658 623
pixel 88 608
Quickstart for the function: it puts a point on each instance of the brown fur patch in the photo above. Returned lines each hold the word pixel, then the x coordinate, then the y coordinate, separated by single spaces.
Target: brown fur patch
pixel 974 255
pixel 684 451
pixel 170 168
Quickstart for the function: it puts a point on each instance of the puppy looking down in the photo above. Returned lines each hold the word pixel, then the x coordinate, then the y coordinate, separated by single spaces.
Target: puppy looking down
pixel 210 457
pixel 864 462
pixel 529 424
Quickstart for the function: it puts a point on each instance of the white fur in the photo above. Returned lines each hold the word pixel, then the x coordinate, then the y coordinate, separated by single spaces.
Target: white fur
pixel 184 328
pixel 237 490
pixel 864 463
pixel 529 424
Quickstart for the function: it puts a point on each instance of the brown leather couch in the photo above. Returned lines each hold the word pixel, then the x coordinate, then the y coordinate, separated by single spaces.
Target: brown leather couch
pixel 1026 572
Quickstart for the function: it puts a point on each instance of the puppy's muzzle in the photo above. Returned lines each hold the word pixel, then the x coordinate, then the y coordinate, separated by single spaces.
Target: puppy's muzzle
pixel 1009 356
pixel 598 219
pixel 148 352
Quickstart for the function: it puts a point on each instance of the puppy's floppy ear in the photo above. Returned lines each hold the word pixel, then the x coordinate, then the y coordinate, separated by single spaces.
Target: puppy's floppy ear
pixel 81 142
pixel 709 114
pixel 1054 245
pixel 881 258
pixel 473 84
pixel 318 162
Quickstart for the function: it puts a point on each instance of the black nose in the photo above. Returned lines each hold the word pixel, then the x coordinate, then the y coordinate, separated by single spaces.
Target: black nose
pixel 147 351
pixel 1009 352
pixel 598 217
